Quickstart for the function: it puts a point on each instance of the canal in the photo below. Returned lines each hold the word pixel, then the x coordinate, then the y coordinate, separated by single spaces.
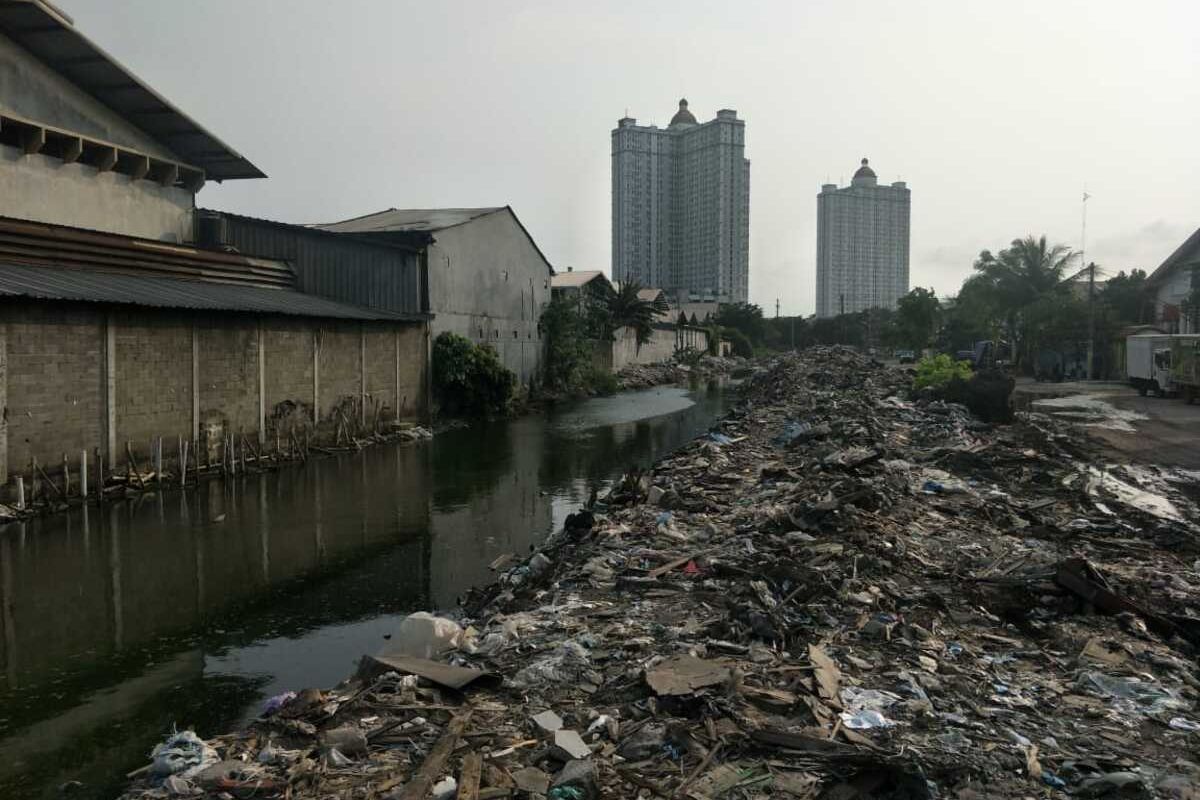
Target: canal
pixel 187 609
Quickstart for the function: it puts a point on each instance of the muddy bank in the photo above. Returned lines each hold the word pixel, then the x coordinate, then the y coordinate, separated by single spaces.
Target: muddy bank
pixel 837 592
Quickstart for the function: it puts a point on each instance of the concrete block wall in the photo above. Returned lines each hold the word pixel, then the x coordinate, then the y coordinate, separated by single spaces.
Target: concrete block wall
pixel 55 383
pixel 153 357
pixel 228 371
pixel 77 377
pixel 340 364
pixel 288 361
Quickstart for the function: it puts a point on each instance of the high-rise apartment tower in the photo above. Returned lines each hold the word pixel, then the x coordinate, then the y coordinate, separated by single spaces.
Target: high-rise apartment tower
pixel 862 244
pixel 681 206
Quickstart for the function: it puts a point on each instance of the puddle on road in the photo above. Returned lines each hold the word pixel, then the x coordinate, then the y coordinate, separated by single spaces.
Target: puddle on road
pixel 1091 411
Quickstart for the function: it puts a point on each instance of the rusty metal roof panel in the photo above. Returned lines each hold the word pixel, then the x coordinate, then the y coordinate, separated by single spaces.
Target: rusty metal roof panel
pixel 80 285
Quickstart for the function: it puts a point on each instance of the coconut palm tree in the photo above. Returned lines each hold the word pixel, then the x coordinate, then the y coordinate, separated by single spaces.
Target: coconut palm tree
pixel 1029 271
pixel 627 310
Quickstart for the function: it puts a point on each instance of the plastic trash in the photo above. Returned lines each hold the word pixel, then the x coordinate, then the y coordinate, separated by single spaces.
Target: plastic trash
pixel 1133 695
pixel 865 720
pixel 1052 780
pixel 183 753
pixel 719 438
pixel 273 704
pixel 423 635
pixel 445 788
pixel 568 663
pixel 539 564
pixel 1184 724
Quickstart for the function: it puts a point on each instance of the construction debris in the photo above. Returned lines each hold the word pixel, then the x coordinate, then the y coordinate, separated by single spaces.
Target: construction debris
pixel 842 592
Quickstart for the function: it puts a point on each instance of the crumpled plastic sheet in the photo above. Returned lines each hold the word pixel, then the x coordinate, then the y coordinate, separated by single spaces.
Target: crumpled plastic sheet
pixel 183 754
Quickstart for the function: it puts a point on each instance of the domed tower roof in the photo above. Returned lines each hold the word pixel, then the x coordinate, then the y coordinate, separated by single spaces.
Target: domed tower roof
pixel 683 116
pixel 864 175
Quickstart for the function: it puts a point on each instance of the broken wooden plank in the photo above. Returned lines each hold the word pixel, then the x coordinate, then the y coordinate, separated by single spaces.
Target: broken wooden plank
pixel 431 768
pixel 468 778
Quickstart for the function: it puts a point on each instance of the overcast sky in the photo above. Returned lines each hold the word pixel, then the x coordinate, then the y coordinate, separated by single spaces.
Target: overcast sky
pixel 997 114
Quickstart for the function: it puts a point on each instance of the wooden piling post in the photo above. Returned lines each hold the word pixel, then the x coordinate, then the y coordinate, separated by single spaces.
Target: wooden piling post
pixel 158 461
pixel 21 492
pixel 83 483
pixel 66 477
pixel 99 475
pixel 183 462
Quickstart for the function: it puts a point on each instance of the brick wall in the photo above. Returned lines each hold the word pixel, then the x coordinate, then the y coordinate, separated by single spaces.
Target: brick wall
pixel 55 382
pixel 228 372
pixel 154 387
pixel 339 362
pixel 414 378
pixel 381 371
pixel 288 351
pixel 57 388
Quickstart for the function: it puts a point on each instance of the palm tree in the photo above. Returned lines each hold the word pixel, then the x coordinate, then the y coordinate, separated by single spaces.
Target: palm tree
pixel 627 310
pixel 1026 272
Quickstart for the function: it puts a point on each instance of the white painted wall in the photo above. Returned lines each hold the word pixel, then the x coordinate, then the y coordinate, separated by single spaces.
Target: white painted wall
pixel 45 189
pixel 661 346
pixel 488 282
pixel 1172 292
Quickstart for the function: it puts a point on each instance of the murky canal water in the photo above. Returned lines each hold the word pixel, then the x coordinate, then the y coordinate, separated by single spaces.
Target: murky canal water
pixel 188 609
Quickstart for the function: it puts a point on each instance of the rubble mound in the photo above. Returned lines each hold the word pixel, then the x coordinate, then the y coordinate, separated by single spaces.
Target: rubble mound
pixel 839 592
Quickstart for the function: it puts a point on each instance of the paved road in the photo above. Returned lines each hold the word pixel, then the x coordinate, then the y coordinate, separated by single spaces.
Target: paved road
pixel 1152 430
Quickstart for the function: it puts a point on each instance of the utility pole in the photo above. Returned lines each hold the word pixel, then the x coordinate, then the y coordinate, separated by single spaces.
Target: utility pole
pixel 1091 317
pixel 776 308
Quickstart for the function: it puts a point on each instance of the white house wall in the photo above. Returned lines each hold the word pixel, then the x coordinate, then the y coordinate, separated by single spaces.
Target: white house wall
pixel 488 282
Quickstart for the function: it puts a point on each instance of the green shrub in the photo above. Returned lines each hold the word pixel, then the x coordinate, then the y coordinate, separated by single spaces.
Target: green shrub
pixel 468 379
pixel 939 370
pixel 601 381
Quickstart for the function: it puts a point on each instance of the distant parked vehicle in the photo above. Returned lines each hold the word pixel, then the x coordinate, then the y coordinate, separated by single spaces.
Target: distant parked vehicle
pixel 906 356
pixel 1165 365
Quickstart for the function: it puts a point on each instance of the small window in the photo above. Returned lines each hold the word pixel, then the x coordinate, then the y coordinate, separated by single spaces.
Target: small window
pixel 514 334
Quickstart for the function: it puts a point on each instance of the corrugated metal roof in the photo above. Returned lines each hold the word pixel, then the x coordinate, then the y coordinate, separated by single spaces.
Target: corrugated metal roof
pixel 51 36
pixel 55 246
pixel 20 280
pixel 408 219
pixel 575 278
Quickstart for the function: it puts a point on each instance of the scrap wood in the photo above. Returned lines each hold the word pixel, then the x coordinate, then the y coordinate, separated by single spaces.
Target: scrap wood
pixel 1073 574
pixel 658 572
pixel 682 675
pixel 703 765
pixel 827 674
pixel 468 777
pixel 433 765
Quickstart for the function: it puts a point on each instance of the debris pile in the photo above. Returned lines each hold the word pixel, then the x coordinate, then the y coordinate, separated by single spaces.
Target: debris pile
pixel 839 592
pixel 643 376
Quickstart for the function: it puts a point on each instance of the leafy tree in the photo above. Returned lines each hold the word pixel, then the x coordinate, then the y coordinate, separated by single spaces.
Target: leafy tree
pixel 1010 282
pixel 564 325
pixel 627 310
pixel 744 317
pixel 1127 297
pixel 917 316
pixel 469 378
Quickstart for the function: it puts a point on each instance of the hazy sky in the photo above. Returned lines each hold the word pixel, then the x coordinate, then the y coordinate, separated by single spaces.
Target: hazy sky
pixel 997 114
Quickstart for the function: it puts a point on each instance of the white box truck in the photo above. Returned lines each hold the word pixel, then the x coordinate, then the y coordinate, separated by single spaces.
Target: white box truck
pixel 1149 362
